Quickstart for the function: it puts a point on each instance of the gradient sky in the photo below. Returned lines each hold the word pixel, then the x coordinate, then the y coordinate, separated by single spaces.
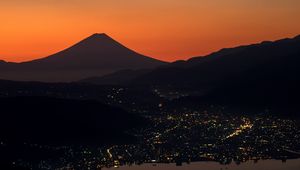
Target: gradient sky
pixel 163 29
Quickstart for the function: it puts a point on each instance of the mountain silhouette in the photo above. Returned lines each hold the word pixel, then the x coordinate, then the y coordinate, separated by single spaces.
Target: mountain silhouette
pixel 264 74
pixel 96 55
pixel 209 71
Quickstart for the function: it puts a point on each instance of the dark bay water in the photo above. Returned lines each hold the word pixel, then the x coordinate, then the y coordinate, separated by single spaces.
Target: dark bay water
pixel 293 164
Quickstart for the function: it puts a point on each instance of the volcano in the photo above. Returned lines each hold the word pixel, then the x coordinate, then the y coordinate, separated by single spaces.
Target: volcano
pixel 96 55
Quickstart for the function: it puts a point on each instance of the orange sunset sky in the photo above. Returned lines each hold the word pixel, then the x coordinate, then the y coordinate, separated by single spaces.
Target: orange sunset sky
pixel 164 29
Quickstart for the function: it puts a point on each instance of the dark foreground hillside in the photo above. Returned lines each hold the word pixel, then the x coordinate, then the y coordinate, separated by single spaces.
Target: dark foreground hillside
pixel 55 123
pixel 51 120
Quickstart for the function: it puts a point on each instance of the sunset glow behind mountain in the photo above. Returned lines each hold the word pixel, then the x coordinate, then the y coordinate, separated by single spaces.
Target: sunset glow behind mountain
pixel 164 29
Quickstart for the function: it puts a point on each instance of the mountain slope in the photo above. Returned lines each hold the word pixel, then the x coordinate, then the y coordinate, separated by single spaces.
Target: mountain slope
pixel 210 71
pixel 46 120
pixel 94 56
pixel 264 75
pixel 122 77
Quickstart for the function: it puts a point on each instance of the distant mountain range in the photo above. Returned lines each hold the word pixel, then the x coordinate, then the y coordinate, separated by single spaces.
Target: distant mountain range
pixel 209 71
pixel 227 63
pixel 264 73
pixel 94 56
